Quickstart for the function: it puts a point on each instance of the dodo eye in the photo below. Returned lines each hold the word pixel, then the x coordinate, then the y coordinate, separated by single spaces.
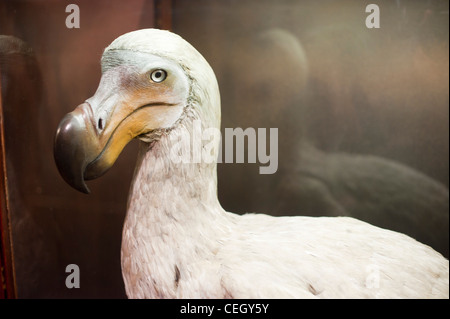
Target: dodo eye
pixel 158 75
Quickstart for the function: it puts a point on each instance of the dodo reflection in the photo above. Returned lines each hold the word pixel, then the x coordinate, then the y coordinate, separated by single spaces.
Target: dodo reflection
pixel 177 239
pixel 275 88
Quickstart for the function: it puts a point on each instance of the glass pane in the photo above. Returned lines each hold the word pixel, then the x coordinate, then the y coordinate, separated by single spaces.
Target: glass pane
pixel 361 113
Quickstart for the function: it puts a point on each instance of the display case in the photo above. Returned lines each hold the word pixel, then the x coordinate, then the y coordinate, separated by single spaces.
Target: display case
pixel 359 97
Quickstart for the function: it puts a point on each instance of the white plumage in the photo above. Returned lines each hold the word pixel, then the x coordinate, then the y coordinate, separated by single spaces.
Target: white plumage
pixel 178 242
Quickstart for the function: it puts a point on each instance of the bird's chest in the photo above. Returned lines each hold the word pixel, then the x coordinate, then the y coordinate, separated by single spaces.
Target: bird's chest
pixel 165 260
pixel 148 258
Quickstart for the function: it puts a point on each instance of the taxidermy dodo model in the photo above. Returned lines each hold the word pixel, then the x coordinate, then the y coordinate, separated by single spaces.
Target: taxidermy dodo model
pixel 178 242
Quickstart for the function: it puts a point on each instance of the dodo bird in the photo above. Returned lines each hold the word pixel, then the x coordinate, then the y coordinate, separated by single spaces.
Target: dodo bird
pixel 177 241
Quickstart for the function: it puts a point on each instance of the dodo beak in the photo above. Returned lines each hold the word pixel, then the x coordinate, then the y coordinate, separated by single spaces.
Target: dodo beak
pixel 75 147
pixel 82 152
pixel 85 148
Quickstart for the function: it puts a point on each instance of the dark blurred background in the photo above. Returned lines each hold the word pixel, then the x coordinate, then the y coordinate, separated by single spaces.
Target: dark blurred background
pixel 362 117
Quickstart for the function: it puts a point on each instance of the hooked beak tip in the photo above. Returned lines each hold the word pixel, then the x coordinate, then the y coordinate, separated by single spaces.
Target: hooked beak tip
pixel 71 153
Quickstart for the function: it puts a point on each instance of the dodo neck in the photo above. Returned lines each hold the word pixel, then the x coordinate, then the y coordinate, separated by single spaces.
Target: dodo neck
pixel 168 182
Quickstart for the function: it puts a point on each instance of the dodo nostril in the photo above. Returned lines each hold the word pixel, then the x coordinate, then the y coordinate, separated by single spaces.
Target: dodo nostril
pixel 100 124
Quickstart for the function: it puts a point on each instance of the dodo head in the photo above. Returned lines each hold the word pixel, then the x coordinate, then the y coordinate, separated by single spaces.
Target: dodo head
pixel 150 80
